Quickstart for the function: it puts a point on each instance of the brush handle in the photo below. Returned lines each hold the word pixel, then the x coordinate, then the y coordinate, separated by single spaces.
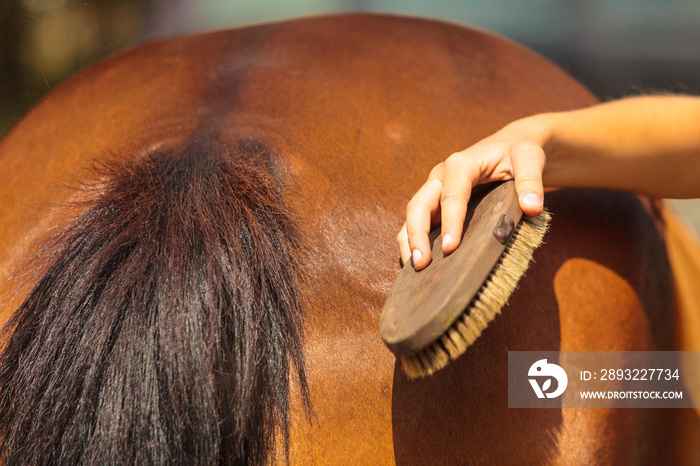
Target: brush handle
pixel 421 306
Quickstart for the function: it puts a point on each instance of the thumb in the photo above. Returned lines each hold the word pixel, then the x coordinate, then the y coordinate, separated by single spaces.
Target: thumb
pixel 528 163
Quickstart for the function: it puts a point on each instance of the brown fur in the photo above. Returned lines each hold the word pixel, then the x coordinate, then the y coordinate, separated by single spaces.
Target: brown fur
pixel 353 112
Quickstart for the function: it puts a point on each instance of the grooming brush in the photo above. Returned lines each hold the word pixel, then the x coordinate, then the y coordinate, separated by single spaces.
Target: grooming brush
pixel 431 317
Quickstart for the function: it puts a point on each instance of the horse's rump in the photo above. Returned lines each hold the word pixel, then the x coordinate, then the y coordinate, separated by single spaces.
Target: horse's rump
pixel 339 119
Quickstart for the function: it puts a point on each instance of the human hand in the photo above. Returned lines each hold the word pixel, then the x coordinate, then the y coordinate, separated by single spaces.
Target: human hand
pixel 514 153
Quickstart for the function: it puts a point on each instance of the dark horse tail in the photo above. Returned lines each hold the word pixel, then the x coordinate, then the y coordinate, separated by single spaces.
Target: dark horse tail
pixel 165 325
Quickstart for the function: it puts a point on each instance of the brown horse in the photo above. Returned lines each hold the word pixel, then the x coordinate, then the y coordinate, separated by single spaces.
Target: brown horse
pixel 182 206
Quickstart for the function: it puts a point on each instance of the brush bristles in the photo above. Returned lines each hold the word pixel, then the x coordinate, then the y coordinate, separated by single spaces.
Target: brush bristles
pixel 488 302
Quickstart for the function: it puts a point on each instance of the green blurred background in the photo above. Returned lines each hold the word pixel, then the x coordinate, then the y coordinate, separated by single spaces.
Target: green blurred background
pixel 615 47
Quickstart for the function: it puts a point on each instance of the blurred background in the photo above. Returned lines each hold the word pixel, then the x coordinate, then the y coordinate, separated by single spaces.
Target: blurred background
pixel 615 47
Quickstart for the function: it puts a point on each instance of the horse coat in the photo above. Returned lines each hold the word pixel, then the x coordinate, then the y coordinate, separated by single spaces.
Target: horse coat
pixel 210 224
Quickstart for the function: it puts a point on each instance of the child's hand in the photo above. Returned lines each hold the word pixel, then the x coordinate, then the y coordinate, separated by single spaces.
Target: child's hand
pixel 647 145
pixel 515 152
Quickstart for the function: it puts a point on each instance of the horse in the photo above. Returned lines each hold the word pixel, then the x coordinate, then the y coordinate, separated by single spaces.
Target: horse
pixel 198 236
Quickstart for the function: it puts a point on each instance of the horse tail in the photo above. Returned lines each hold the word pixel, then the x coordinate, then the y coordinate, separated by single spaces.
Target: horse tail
pixel 165 326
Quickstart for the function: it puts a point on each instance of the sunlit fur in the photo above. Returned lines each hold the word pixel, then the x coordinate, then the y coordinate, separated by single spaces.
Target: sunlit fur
pixel 162 328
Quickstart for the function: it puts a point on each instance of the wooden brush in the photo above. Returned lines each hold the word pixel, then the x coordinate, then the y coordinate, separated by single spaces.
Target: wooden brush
pixel 432 316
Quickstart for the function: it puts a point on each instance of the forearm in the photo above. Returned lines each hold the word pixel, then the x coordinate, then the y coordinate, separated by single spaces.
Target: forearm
pixel 647 145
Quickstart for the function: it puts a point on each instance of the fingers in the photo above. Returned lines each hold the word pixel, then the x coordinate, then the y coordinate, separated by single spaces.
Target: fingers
pixel 404 248
pixel 460 175
pixel 449 186
pixel 528 162
pixel 419 212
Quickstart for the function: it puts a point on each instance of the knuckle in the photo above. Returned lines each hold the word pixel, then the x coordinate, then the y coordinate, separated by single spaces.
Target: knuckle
pixel 453 161
pixel 401 236
pixel 452 196
pixel 448 196
pixel 527 150
pixel 528 180
pixel 411 237
pixel 463 164
pixel 437 170
pixel 413 204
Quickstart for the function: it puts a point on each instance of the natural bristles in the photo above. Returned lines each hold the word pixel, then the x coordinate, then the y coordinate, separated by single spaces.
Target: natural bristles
pixel 487 303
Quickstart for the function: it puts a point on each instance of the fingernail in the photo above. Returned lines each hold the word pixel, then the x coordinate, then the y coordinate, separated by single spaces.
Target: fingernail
pixel 416 255
pixel 532 200
pixel 446 240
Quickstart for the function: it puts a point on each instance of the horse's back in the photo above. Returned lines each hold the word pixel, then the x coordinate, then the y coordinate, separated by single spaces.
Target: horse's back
pixel 351 113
